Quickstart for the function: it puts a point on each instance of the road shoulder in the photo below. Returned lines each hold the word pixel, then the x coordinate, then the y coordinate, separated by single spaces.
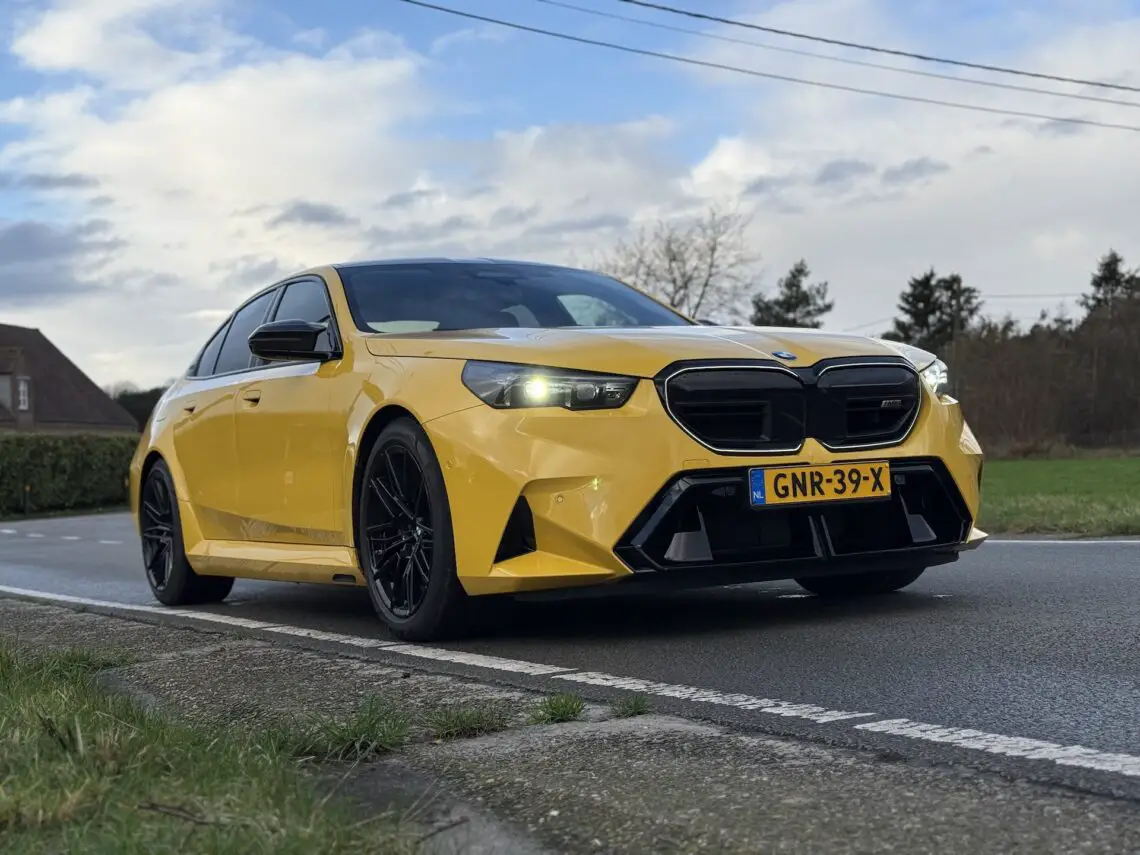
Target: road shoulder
pixel 597 784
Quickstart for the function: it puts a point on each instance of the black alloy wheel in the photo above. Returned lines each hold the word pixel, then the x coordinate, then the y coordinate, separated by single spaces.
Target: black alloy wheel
pixel 171 578
pixel 156 513
pixel 399 534
pixel 404 537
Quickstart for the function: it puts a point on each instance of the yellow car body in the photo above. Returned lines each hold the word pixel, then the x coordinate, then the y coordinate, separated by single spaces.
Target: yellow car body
pixel 266 460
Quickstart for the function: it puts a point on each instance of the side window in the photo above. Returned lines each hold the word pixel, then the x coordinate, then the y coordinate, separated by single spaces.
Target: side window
pixel 307 301
pixel 235 355
pixel 205 366
pixel 589 311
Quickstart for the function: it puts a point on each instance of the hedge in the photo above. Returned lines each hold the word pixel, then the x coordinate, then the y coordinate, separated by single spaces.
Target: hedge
pixel 56 472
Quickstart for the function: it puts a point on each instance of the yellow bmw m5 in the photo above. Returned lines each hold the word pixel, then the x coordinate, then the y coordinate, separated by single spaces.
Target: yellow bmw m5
pixel 437 431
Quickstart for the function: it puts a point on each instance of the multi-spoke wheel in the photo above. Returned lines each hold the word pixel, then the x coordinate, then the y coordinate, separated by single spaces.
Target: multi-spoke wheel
pixel 404 537
pixel 172 580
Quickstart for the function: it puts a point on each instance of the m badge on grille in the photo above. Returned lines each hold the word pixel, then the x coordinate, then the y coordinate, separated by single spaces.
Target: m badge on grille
pixel 891 404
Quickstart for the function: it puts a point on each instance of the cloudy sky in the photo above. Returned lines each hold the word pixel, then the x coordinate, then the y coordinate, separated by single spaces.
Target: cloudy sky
pixel 161 159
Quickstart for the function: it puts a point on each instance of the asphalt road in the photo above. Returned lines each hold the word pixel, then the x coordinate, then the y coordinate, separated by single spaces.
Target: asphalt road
pixel 1026 639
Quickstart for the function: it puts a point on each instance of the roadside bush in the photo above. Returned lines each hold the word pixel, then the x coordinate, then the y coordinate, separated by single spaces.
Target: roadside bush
pixel 55 472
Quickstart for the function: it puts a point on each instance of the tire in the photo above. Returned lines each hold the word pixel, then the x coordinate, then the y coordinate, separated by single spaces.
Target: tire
pixel 860 584
pixel 413 609
pixel 172 580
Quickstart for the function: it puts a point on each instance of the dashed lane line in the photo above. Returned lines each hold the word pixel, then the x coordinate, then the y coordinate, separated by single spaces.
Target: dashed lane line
pixel 964 738
pixel 39 535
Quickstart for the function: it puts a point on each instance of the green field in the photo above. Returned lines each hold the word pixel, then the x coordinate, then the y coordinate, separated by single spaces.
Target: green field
pixel 1092 496
pixel 82 770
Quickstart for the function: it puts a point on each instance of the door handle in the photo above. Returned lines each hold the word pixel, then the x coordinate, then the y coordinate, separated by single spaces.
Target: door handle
pixel 189 406
pixel 252 397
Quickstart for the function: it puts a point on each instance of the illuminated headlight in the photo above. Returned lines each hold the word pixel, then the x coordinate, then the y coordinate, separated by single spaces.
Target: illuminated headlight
pixel 937 377
pixel 505 385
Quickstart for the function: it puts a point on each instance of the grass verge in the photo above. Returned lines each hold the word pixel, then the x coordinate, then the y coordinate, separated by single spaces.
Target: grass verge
pixel 1087 496
pixel 85 770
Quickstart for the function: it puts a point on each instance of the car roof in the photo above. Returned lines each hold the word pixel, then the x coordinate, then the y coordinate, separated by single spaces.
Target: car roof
pixel 439 260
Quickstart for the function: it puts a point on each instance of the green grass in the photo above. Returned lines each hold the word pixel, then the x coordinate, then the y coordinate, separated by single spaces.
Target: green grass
pixel 628 706
pixel 469 719
pixel 377 728
pixel 84 770
pixel 1088 496
pixel 558 708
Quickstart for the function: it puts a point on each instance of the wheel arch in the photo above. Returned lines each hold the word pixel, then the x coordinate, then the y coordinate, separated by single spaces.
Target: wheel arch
pixel 152 457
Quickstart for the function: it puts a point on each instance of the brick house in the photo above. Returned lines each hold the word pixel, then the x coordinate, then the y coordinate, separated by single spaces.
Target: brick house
pixel 42 390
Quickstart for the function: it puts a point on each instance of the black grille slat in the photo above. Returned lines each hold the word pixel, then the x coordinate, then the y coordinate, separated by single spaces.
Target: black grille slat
pixel 855 405
pixel 739 408
pixel 765 408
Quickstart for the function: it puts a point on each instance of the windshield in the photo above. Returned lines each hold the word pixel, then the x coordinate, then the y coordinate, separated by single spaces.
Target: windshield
pixel 426 296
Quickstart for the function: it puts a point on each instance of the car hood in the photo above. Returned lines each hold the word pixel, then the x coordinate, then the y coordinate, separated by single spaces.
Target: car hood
pixel 640 352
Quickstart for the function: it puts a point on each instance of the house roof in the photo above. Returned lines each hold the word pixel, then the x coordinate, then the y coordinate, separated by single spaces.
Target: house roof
pixel 63 394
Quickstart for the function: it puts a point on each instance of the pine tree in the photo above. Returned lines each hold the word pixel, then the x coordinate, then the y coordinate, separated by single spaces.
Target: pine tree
pixel 933 309
pixel 795 303
pixel 1111 282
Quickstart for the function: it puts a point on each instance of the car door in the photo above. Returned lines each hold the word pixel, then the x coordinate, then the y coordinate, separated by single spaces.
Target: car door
pixel 203 429
pixel 290 445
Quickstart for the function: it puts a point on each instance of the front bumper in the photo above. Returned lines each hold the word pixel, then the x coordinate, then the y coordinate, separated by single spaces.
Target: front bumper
pixel 545 499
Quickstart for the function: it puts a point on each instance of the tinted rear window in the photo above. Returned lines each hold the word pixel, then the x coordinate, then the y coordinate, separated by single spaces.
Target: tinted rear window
pixel 421 297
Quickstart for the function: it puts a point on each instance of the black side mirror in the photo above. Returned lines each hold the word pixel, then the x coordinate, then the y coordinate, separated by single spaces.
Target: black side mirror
pixel 289 340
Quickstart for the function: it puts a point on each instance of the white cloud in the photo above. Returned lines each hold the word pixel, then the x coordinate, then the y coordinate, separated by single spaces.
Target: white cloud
pixel 224 162
pixel 1011 204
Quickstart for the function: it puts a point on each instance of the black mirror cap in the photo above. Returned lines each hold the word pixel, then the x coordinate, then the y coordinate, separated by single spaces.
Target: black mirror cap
pixel 288 340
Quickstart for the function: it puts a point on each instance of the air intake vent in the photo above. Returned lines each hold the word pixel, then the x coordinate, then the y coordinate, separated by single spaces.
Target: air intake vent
pixel 518 536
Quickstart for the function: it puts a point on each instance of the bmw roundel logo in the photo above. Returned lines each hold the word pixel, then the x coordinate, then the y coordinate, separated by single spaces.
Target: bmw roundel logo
pixel 783 354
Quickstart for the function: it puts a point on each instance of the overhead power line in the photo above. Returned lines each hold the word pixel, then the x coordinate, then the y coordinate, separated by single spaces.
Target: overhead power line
pixel 978 108
pixel 673 10
pixel 933 75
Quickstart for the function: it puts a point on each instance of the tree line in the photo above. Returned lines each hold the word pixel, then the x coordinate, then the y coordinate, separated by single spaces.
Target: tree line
pixel 704 268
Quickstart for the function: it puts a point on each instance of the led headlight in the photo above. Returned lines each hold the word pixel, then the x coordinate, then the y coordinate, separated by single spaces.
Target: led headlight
pixel 937 377
pixel 505 385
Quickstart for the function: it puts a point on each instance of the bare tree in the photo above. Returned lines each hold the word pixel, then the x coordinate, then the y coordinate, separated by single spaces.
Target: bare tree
pixel 702 267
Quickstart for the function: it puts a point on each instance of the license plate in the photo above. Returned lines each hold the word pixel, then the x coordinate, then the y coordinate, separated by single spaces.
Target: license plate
pixel 803 484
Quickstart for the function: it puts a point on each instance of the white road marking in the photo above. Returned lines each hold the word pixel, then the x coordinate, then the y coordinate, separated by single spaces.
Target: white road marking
pixel 8 531
pixel 1051 542
pixel 69 537
pixel 340 638
pixel 976 740
pixel 110 542
pixel 709 696
pixel 33 534
pixel 1010 746
pixel 479 660
pixel 82 601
